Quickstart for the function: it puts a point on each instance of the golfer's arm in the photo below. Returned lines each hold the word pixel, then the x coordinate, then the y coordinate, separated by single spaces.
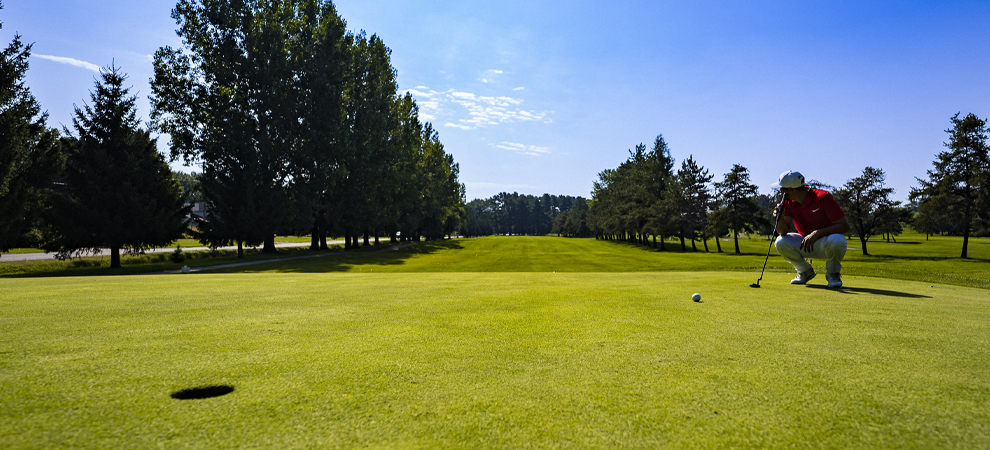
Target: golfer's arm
pixel 840 226
pixel 784 225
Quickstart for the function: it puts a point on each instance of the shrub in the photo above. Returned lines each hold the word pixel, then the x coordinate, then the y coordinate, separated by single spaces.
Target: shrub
pixel 177 256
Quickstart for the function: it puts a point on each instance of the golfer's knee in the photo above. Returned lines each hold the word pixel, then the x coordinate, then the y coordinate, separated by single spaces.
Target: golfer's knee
pixel 782 244
pixel 836 242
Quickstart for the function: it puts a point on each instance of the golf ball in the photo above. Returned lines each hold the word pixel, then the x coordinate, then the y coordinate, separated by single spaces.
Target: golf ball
pixel 696 297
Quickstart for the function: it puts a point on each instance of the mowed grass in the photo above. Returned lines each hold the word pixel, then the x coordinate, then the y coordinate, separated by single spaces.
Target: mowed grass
pixel 912 258
pixel 620 360
pixel 334 352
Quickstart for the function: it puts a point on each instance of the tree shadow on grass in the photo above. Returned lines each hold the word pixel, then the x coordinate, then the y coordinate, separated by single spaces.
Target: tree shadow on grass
pixel 925 258
pixel 364 258
pixel 858 290
pixel 674 247
pixel 296 261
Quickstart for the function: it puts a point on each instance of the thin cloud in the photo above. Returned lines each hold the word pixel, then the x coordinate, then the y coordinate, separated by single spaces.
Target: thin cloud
pixel 418 93
pixel 482 111
pixel 495 71
pixel 519 89
pixel 522 149
pixel 70 61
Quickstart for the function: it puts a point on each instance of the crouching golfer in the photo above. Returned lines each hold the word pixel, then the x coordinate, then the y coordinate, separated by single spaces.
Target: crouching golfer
pixel 820 224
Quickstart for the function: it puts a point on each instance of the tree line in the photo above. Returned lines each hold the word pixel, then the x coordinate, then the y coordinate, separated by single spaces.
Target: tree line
pixel 296 121
pixel 516 214
pixel 645 197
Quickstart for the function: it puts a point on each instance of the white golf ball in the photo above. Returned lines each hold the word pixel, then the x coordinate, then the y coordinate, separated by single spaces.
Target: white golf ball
pixel 696 297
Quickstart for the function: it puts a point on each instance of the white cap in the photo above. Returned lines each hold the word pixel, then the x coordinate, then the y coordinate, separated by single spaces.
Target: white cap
pixel 789 179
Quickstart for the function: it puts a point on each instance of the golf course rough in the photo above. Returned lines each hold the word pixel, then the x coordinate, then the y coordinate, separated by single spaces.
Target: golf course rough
pixel 492 360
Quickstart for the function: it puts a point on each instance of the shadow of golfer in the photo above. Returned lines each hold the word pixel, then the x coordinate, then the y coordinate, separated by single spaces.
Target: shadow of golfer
pixel 856 290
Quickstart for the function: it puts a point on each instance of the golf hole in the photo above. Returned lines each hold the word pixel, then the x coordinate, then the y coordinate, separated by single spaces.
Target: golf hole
pixel 202 392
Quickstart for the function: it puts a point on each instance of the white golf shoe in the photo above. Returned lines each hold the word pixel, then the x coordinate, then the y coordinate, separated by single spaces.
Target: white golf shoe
pixel 804 277
pixel 834 280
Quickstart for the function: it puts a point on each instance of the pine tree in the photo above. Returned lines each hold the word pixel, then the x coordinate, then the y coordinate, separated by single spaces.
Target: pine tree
pixel 119 192
pixel 697 197
pixel 960 180
pixel 867 204
pixel 738 199
pixel 30 154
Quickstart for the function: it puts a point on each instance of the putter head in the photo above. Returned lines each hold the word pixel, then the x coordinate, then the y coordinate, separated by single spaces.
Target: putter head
pixel 755 285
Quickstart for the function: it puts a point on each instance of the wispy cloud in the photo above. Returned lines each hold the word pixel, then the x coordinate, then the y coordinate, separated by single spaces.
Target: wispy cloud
pixel 522 149
pixel 70 61
pixel 495 71
pixel 482 111
pixel 519 88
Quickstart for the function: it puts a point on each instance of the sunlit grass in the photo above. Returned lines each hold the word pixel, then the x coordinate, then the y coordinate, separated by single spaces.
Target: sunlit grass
pixel 492 360
pixel 912 258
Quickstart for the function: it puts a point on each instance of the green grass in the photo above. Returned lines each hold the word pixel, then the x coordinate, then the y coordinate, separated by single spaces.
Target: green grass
pixel 911 259
pixel 477 343
pixel 23 250
pixel 496 360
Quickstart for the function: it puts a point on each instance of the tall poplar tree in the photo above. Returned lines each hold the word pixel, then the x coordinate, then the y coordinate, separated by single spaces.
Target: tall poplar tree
pixel 228 101
pixel 321 49
pixel 119 192
pixel 371 92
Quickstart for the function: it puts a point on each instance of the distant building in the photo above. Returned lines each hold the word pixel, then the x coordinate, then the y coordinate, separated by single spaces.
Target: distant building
pixel 198 210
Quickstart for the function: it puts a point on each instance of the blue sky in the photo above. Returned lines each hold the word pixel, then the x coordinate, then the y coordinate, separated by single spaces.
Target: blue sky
pixel 539 97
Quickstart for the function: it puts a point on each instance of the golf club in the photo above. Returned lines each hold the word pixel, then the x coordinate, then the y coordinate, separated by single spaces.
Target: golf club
pixel 775 222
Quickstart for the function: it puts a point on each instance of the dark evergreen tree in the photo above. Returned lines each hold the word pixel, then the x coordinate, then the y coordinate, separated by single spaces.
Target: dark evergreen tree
pixel 960 180
pixel 739 206
pixel 693 181
pixel 119 192
pixel 30 154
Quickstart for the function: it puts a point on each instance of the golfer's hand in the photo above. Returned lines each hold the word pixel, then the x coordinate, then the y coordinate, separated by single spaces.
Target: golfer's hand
pixel 808 243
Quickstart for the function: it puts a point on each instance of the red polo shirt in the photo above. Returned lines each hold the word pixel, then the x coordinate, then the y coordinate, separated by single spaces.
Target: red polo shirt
pixel 819 210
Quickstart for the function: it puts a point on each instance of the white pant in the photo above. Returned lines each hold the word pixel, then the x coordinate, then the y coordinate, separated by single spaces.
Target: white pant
pixel 831 248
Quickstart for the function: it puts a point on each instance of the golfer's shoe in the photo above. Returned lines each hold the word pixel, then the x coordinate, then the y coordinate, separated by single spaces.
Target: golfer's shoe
pixel 804 277
pixel 834 280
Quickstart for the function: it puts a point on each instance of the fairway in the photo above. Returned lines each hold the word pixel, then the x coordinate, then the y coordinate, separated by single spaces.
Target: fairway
pixel 492 360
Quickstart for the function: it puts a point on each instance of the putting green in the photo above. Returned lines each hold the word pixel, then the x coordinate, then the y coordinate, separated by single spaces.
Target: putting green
pixel 493 360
